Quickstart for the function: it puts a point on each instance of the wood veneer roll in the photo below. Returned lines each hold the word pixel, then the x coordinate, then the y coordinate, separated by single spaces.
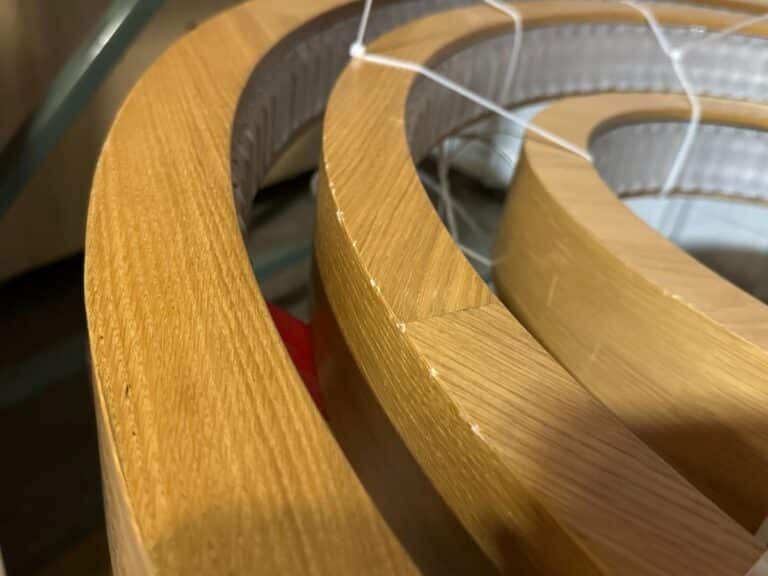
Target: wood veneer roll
pixel 207 438
pixel 481 409
pixel 676 351
pixel 214 458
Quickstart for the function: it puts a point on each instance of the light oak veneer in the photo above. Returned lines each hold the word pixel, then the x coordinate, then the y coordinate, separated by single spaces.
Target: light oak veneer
pixel 215 460
pixel 676 351
pixel 489 417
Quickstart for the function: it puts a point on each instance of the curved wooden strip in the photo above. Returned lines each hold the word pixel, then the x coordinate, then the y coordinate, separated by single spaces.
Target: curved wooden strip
pixel 215 460
pixel 491 419
pixel 676 351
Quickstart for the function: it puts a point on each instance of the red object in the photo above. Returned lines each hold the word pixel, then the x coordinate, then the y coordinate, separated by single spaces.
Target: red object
pixel 298 340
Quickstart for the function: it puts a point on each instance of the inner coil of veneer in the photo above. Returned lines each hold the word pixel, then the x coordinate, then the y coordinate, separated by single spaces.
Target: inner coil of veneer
pixel 433 345
pixel 654 325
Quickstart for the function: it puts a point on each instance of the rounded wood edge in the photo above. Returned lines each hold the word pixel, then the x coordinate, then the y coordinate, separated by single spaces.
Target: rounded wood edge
pixel 128 555
pixel 499 513
pixel 215 459
pixel 394 281
pixel 676 351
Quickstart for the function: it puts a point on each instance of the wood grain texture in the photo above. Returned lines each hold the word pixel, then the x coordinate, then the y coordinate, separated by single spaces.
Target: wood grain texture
pixel 215 459
pixel 424 523
pixel 509 525
pixel 457 375
pixel 612 491
pixel 676 351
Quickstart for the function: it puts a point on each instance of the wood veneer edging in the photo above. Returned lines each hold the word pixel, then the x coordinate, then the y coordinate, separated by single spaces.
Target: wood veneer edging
pixel 215 459
pixel 405 267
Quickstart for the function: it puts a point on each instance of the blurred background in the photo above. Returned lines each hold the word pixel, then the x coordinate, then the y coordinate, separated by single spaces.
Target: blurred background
pixel 65 67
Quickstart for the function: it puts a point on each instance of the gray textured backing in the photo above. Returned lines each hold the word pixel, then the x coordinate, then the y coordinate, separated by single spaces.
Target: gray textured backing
pixel 724 160
pixel 574 59
pixel 289 88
